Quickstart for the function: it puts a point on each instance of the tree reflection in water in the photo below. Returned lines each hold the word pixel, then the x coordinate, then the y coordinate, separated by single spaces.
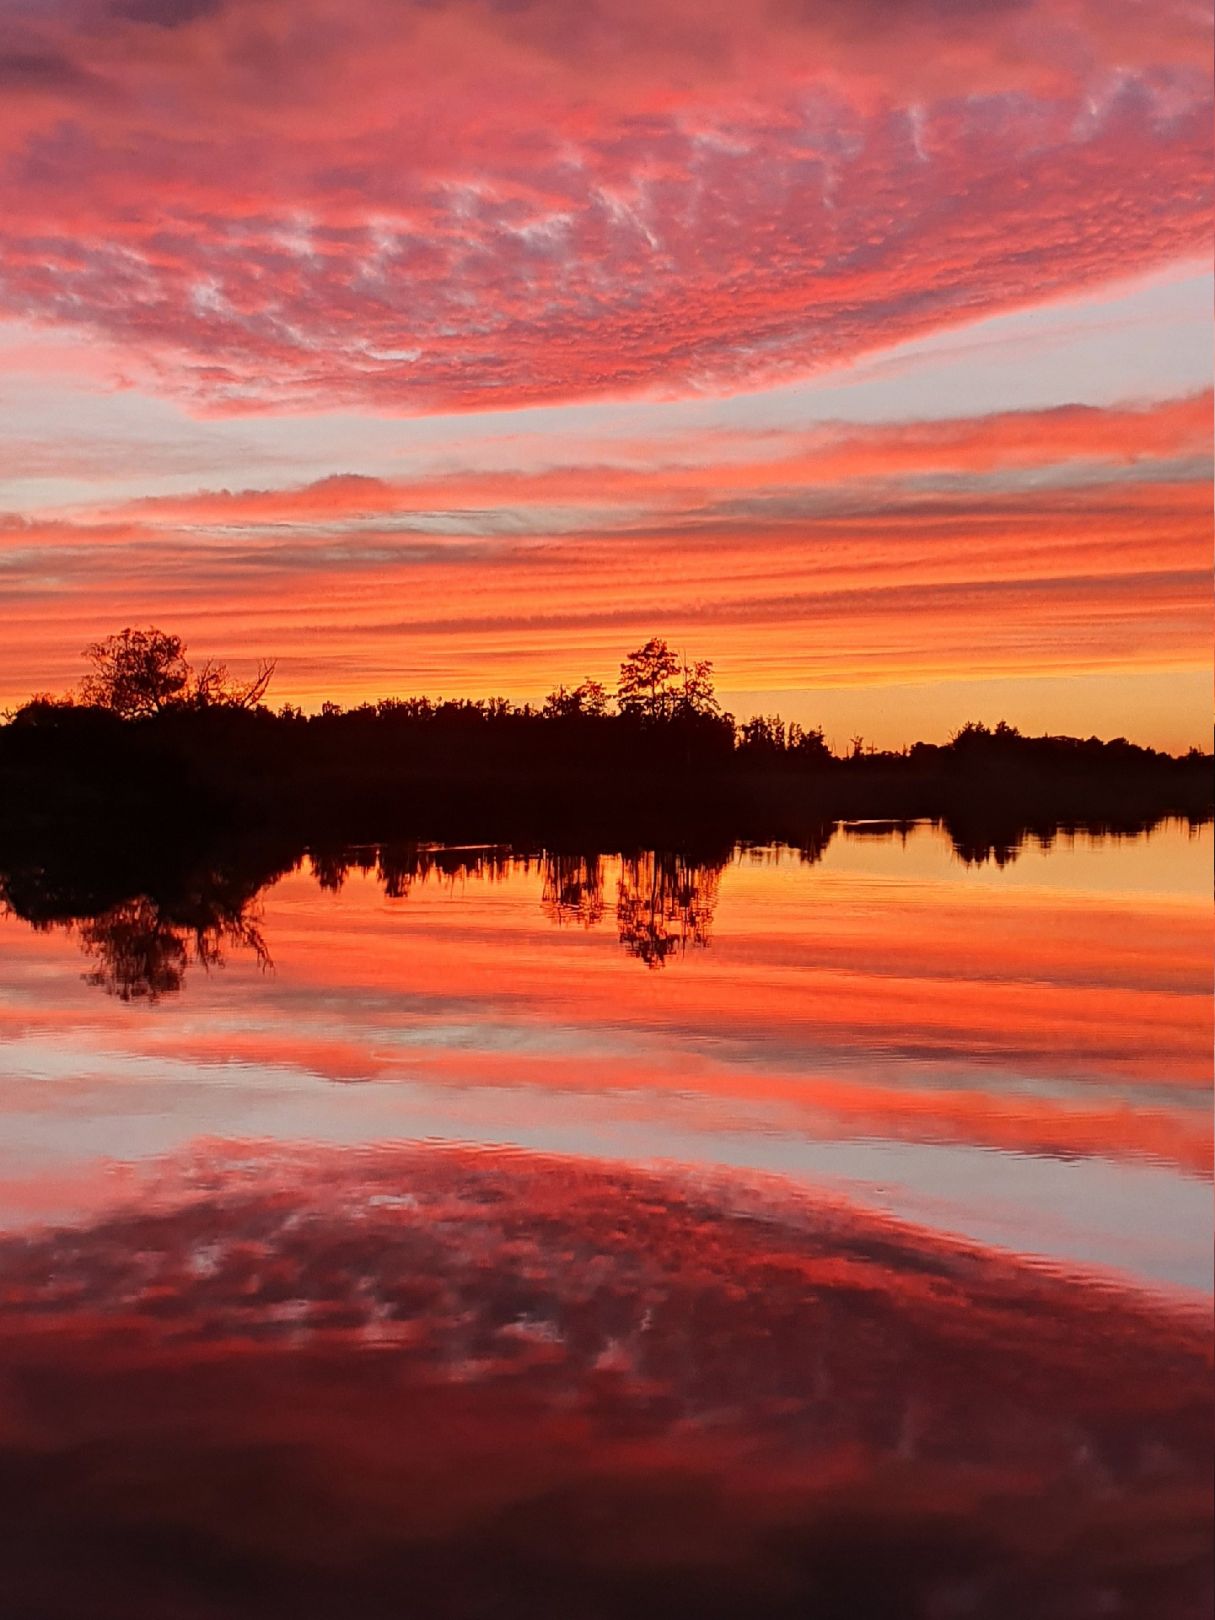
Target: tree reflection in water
pixel 145 928
pixel 399 866
pixel 664 903
pixel 143 949
pixel 573 889
pixel 146 925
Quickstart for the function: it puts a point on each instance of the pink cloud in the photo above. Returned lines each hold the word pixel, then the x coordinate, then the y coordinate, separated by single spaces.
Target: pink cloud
pixel 465 205
pixel 699 469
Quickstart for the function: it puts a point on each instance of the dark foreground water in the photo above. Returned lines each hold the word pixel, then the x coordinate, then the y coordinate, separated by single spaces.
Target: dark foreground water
pixel 806 1233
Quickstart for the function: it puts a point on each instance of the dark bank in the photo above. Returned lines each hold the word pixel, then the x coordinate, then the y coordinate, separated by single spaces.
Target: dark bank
pixel 155 751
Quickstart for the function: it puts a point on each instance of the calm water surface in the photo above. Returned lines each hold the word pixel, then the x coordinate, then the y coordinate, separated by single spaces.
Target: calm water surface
pixel 460 1233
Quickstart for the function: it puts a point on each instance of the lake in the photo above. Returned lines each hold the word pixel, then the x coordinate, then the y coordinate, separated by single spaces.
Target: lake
pixel 754 1231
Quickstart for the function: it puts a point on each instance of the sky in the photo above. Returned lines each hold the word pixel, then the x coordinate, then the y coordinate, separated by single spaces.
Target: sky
pixel 458 346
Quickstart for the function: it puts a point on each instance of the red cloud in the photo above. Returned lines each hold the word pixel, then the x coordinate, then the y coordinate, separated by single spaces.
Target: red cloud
pixel 425 207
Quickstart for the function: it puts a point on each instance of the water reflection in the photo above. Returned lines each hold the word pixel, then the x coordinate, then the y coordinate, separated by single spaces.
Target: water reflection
pixel 143 943
pixel 398 867
pixel 980 839
pixel 1021 1053
pixel 573 889
pixel 459 1383
pixel 260 1359
pixel 145 930
pixel 143 953
pixel 665 903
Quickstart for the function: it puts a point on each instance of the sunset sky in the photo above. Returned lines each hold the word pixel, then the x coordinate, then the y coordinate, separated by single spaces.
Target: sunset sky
pixel 459 346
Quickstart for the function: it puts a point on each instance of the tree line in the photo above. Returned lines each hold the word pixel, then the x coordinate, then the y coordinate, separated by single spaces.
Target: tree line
pixel 149 741
pixel 144 675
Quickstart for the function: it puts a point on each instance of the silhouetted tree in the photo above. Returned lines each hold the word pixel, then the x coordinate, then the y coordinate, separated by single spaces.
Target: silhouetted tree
pixel 136 672
pixel 648 684
pixel 212 687
pixel 167 750
pixel 588 700
pixel 695 694
pixel 763 734
pixel 808 746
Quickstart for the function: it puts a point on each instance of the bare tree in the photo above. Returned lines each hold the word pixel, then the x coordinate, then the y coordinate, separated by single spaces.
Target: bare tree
pixel 212 687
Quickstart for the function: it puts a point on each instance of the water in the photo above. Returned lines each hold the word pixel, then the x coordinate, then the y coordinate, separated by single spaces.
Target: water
pixel 456 1232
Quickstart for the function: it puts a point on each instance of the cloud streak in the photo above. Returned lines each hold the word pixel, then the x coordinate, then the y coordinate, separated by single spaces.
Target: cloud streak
pixel 1034 542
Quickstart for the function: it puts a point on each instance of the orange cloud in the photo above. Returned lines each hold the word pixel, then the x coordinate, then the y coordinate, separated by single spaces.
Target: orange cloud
pixel 1016 544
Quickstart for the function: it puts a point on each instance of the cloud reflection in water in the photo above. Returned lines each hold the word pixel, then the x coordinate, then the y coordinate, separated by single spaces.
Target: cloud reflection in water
pixel 457 1382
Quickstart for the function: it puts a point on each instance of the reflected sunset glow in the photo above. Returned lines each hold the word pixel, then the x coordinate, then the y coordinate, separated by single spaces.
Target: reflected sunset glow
pixel 885 993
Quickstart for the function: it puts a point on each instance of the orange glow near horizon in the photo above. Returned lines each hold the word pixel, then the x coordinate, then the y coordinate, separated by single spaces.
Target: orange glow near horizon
pixel 889 559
